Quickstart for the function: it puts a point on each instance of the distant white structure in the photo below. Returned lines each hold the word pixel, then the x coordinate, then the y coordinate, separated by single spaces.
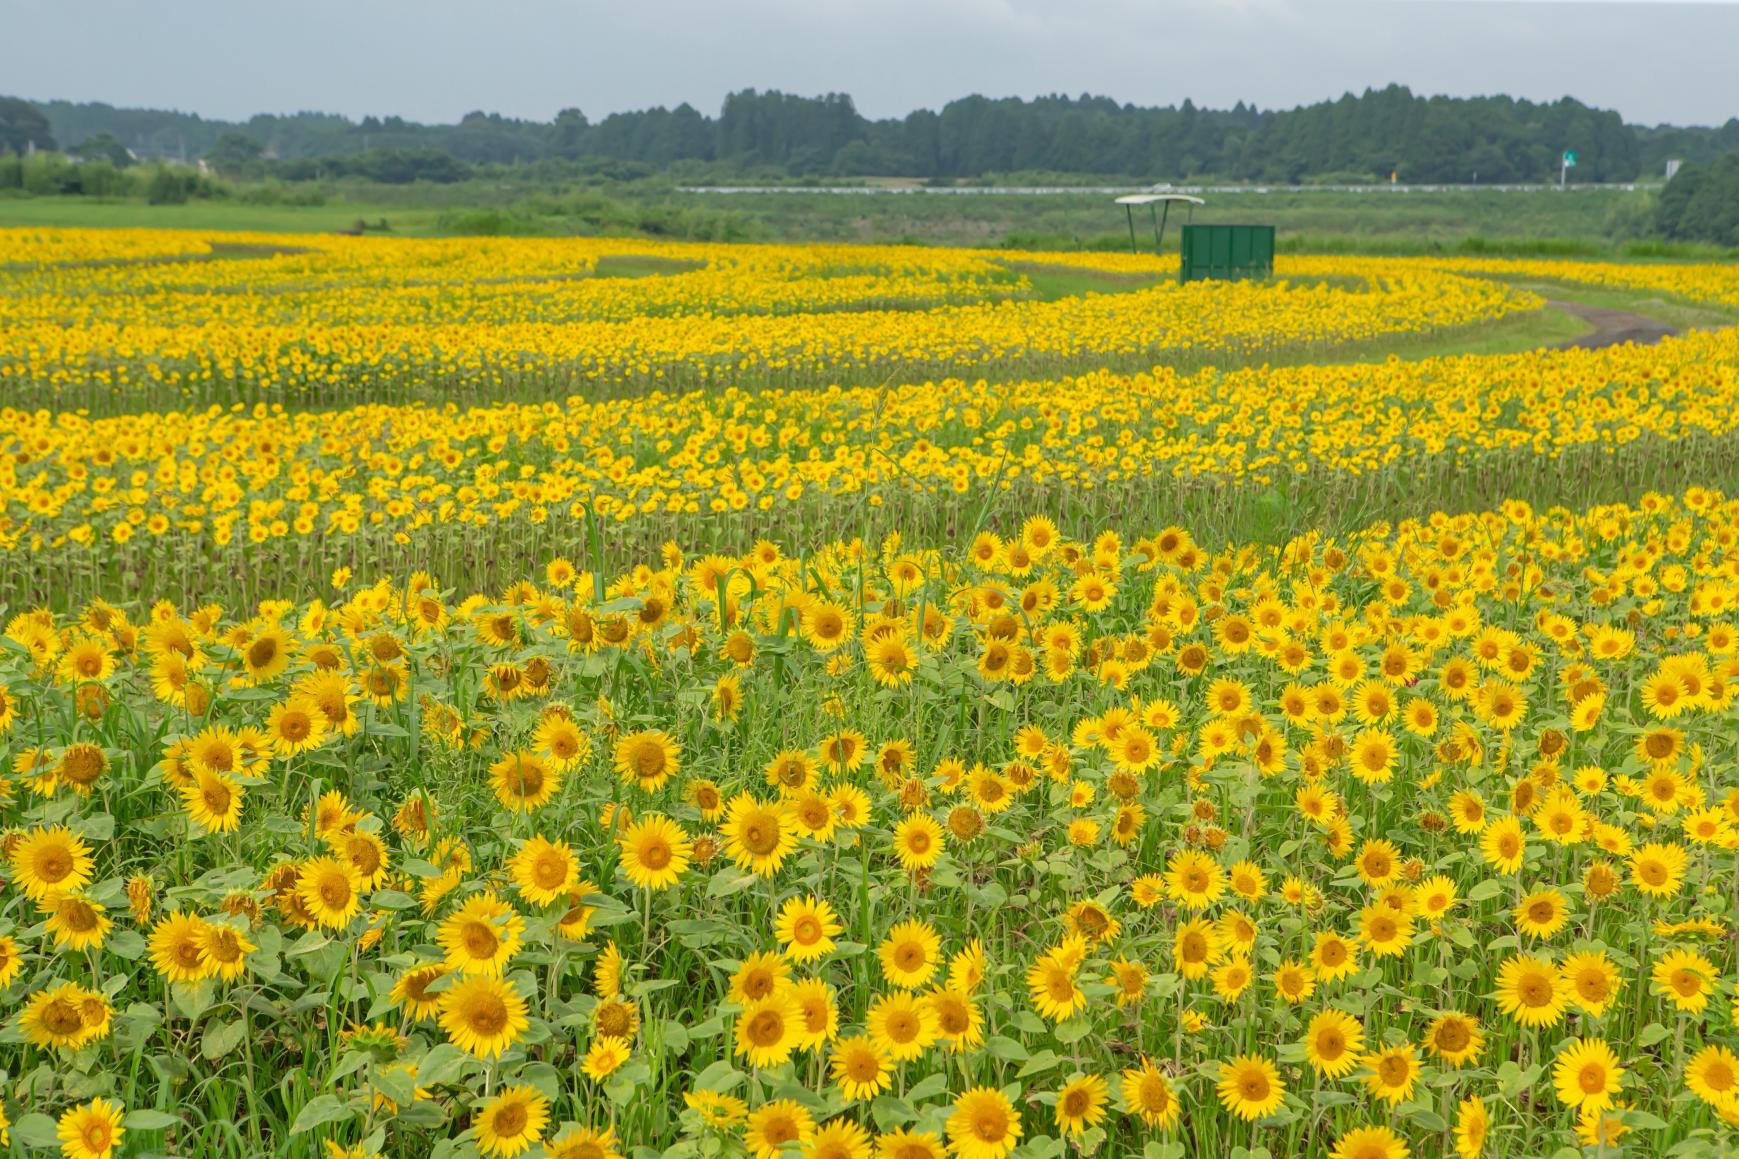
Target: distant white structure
pixel 1673 164
pixel 1151 200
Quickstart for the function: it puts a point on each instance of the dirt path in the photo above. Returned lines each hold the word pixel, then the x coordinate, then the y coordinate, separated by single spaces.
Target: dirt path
pixel 1611 327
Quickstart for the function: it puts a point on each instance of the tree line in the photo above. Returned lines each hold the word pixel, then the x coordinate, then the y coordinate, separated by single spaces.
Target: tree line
pixel 1364 137
pixel 1701 203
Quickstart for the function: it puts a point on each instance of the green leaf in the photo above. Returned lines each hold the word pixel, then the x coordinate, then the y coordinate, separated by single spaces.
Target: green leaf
pixel 1074 1030
pixel 149 1120
pixel 96 827
pixel 318 1111
pixel 720 1076
pixel 1428 1119
pixel 728 882
pixel 396 1084
pixel 927 1088
pixel 441 1064
pixel 221 1038
pixel 1489 888
pixel 1042 1061
pixel 37 1131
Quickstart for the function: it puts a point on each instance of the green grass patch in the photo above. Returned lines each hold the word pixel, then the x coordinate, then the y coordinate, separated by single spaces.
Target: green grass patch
pixel 89 213
pixel 639 266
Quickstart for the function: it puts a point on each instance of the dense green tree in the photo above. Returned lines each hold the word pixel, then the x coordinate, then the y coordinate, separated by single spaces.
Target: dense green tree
pixel 104 147
pixel 23 125
pixel 1701 203
pixel 234 153
pixel 1361 136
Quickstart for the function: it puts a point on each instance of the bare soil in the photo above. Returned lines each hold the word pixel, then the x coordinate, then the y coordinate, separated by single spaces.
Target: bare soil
pixel 1612 327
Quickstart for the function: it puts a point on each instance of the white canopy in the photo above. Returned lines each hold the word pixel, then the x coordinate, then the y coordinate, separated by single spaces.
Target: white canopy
pixel 1150 198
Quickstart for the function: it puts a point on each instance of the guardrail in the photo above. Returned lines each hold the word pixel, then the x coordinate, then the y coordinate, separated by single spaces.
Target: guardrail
pixel 1114 190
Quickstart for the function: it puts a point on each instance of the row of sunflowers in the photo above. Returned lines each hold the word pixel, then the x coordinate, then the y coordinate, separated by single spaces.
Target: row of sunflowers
pixel 1416 841
pixel 258 491
pixel 336 321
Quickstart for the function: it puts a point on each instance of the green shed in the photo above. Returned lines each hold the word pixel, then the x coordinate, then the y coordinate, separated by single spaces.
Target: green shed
pixel 1226 252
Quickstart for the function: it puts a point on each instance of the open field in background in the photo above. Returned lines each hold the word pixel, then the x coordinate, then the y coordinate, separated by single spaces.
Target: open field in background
pixel 1587 222
pixel 633 698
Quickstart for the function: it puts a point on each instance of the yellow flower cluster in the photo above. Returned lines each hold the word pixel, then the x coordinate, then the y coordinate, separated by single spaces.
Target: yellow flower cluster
pixel 216 477
pixel 342 320
pixel 1421 838
pixel 1699 282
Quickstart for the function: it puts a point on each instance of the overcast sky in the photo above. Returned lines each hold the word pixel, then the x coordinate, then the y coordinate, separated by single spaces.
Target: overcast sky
pixel 434 60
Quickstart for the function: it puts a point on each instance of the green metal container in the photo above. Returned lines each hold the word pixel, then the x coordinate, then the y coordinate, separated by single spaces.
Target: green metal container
pixel 1227 252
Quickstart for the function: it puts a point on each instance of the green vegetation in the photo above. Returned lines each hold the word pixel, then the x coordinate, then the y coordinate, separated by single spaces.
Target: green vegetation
pixel 776 135
pixel 1701 203
pixel 1581 223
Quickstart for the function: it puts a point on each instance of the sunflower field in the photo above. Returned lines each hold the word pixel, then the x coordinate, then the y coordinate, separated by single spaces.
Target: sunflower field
pixel 603 698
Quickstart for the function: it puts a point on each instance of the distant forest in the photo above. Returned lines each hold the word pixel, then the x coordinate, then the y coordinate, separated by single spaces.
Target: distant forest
pixel 777 135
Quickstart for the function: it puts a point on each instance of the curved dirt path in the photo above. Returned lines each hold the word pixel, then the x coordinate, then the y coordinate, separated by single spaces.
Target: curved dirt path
pixel 1611 327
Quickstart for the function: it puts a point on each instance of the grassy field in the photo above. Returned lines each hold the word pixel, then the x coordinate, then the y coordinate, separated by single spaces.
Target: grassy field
pixel 76 212
pixel 1586 222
